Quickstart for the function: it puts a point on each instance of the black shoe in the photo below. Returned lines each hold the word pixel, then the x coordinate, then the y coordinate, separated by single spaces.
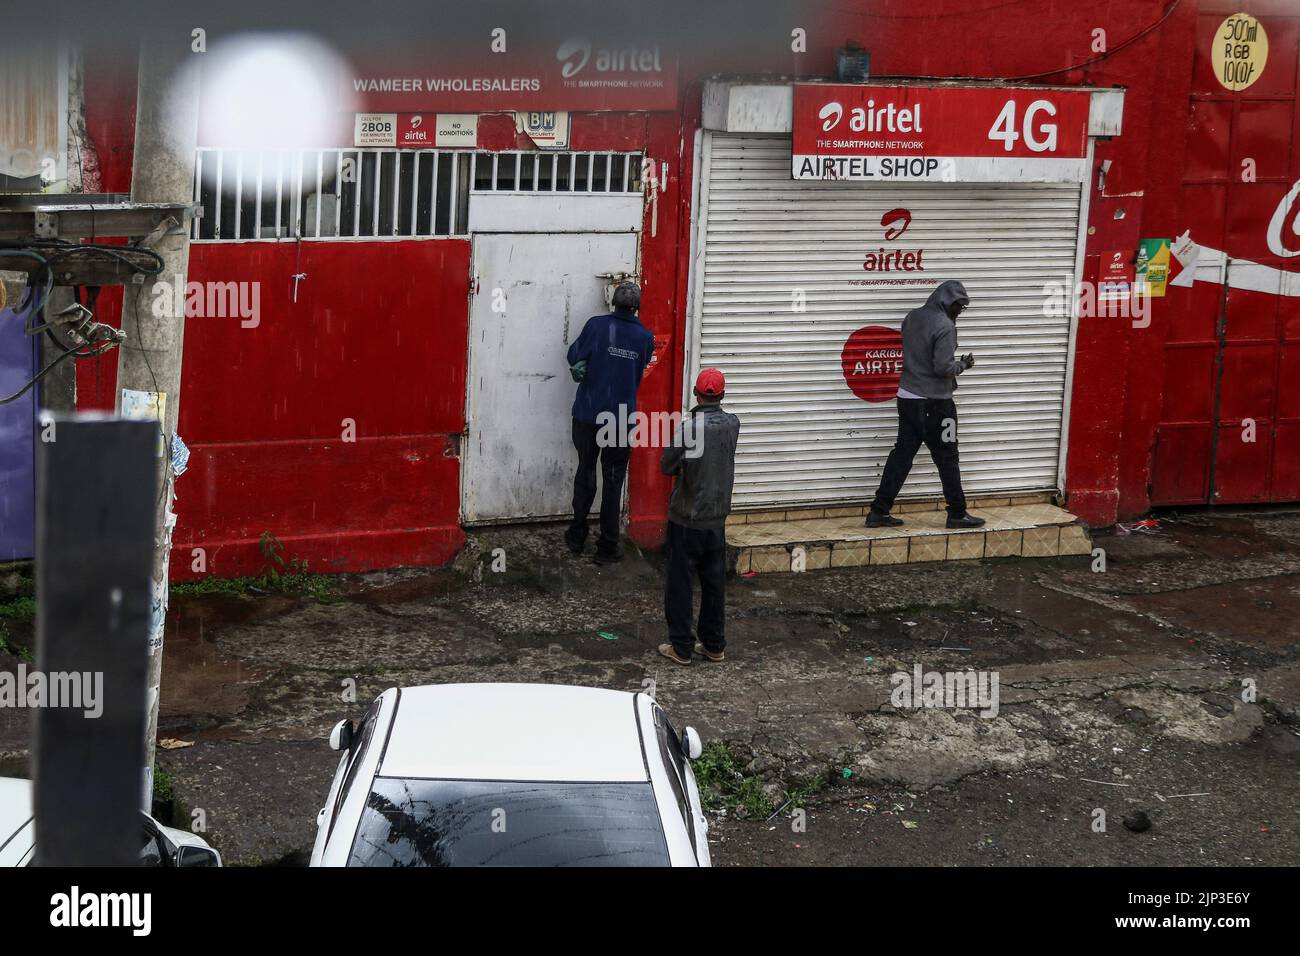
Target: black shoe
pixel 574 543
pixel 876 519
pixel 607 557
pixel 965 521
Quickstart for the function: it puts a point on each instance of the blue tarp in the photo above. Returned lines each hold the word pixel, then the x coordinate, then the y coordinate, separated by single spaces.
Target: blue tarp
pixel 18 357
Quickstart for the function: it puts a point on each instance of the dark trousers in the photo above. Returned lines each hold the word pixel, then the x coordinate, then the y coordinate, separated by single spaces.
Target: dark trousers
pixel 692 552
pixel 613 469
pixel 923 421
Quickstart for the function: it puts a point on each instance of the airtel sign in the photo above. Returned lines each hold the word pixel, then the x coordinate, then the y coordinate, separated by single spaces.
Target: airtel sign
pixel 939 133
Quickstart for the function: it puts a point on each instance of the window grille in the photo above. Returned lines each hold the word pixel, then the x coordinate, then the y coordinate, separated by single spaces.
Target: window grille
pixel 331 194
pixel 528 172
pixel 369 194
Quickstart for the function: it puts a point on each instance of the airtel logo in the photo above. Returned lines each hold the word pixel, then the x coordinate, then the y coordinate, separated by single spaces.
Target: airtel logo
pixel 577 52
pixel 890 118
pixel 416 120
pixel 830 115
pixel 896 222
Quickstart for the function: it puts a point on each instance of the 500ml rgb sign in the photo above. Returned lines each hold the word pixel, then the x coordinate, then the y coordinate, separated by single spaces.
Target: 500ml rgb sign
pixel 950 134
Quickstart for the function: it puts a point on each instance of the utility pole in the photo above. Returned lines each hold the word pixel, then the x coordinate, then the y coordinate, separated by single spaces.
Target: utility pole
pixel 149 361
pixel 94 552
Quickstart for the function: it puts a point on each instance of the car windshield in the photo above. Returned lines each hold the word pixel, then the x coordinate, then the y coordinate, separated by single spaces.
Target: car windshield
pixel 496 823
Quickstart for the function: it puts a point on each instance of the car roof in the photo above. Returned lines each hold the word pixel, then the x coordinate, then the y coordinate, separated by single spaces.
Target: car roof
pixel 535 732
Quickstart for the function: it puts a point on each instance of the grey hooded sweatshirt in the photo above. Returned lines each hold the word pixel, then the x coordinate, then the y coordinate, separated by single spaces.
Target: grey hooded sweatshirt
pixel 930 365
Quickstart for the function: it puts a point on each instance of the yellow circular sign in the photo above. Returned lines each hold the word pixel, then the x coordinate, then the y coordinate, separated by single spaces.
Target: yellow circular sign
pixel 1239 52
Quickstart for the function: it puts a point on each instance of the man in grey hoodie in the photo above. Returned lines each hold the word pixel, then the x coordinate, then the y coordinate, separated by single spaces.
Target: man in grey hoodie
pixel 926 412
pixel 703 457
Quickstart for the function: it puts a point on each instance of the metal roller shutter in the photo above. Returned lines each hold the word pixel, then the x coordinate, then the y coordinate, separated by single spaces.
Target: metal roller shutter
pixel 806 438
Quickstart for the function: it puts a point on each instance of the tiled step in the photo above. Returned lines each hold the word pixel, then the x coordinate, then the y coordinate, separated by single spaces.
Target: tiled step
pixel 1028 530
pixel 901 507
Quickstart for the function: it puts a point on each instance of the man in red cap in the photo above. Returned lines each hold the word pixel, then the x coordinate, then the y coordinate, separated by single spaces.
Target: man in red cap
pixel 703 457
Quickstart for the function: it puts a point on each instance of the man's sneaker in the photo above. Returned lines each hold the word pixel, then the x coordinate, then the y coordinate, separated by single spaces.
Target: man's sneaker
pixel 965 521
pixel 716 656
pixel 877 520
pixel 607 557
pixel 668 651
pixel 572 542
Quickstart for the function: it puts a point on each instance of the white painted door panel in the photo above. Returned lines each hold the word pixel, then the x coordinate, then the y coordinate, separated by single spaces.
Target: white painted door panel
pixel 534 294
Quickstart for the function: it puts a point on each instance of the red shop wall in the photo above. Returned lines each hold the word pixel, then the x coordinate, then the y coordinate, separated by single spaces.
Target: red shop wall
pixel 955 39
pixel 377 338
pixel 1234 350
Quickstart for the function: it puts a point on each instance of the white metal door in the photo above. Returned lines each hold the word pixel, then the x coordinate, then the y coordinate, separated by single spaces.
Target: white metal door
pixel 780 285
pixel 534 293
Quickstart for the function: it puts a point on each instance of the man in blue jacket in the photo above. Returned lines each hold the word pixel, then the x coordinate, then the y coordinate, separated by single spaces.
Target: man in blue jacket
pixel 607 361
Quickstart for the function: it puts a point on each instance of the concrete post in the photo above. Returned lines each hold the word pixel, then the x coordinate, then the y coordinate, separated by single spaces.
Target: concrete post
pixel 149 361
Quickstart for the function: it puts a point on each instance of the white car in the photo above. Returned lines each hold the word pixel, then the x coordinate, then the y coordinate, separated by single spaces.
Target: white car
pixel 159 845
pixel 512 775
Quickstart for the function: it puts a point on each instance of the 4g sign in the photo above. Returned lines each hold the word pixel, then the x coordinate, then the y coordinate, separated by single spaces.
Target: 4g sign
pixel 941 133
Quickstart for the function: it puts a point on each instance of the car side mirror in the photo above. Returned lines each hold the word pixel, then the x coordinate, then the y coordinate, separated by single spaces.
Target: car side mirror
pixel 691 738
pixel 197 856
pixel 341 735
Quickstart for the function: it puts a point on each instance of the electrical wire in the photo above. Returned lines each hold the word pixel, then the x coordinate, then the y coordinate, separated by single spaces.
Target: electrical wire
pixel 57 250
pixel 44 275
pixel 49 368
pixel 1034 76
pixel 1109 53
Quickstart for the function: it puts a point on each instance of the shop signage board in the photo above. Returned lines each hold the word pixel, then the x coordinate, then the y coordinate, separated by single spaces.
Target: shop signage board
pixel 1152 272
pixel 1239 51
pixel 872 363
pixel 457 129
pixel 415 130
pixel 939 133
pixel 1116 276
pixel 375 129
pixel 546 130
pixel 568 71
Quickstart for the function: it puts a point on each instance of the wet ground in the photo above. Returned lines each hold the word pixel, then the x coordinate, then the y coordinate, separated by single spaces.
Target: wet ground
pixel 1167 683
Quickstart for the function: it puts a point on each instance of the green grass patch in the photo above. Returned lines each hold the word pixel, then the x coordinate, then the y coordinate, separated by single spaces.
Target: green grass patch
pixel 162 785
pixel 317 586
pixel 18 609
pixel 280 575
pixel 724 784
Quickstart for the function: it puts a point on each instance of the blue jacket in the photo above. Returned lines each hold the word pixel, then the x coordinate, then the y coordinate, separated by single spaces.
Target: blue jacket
pixel 617 348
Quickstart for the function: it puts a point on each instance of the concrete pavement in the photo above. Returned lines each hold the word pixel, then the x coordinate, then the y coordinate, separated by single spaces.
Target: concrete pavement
pixel 1118 689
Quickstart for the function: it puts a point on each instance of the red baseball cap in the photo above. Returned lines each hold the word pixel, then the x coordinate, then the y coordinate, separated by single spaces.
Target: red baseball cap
pixel 710 382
